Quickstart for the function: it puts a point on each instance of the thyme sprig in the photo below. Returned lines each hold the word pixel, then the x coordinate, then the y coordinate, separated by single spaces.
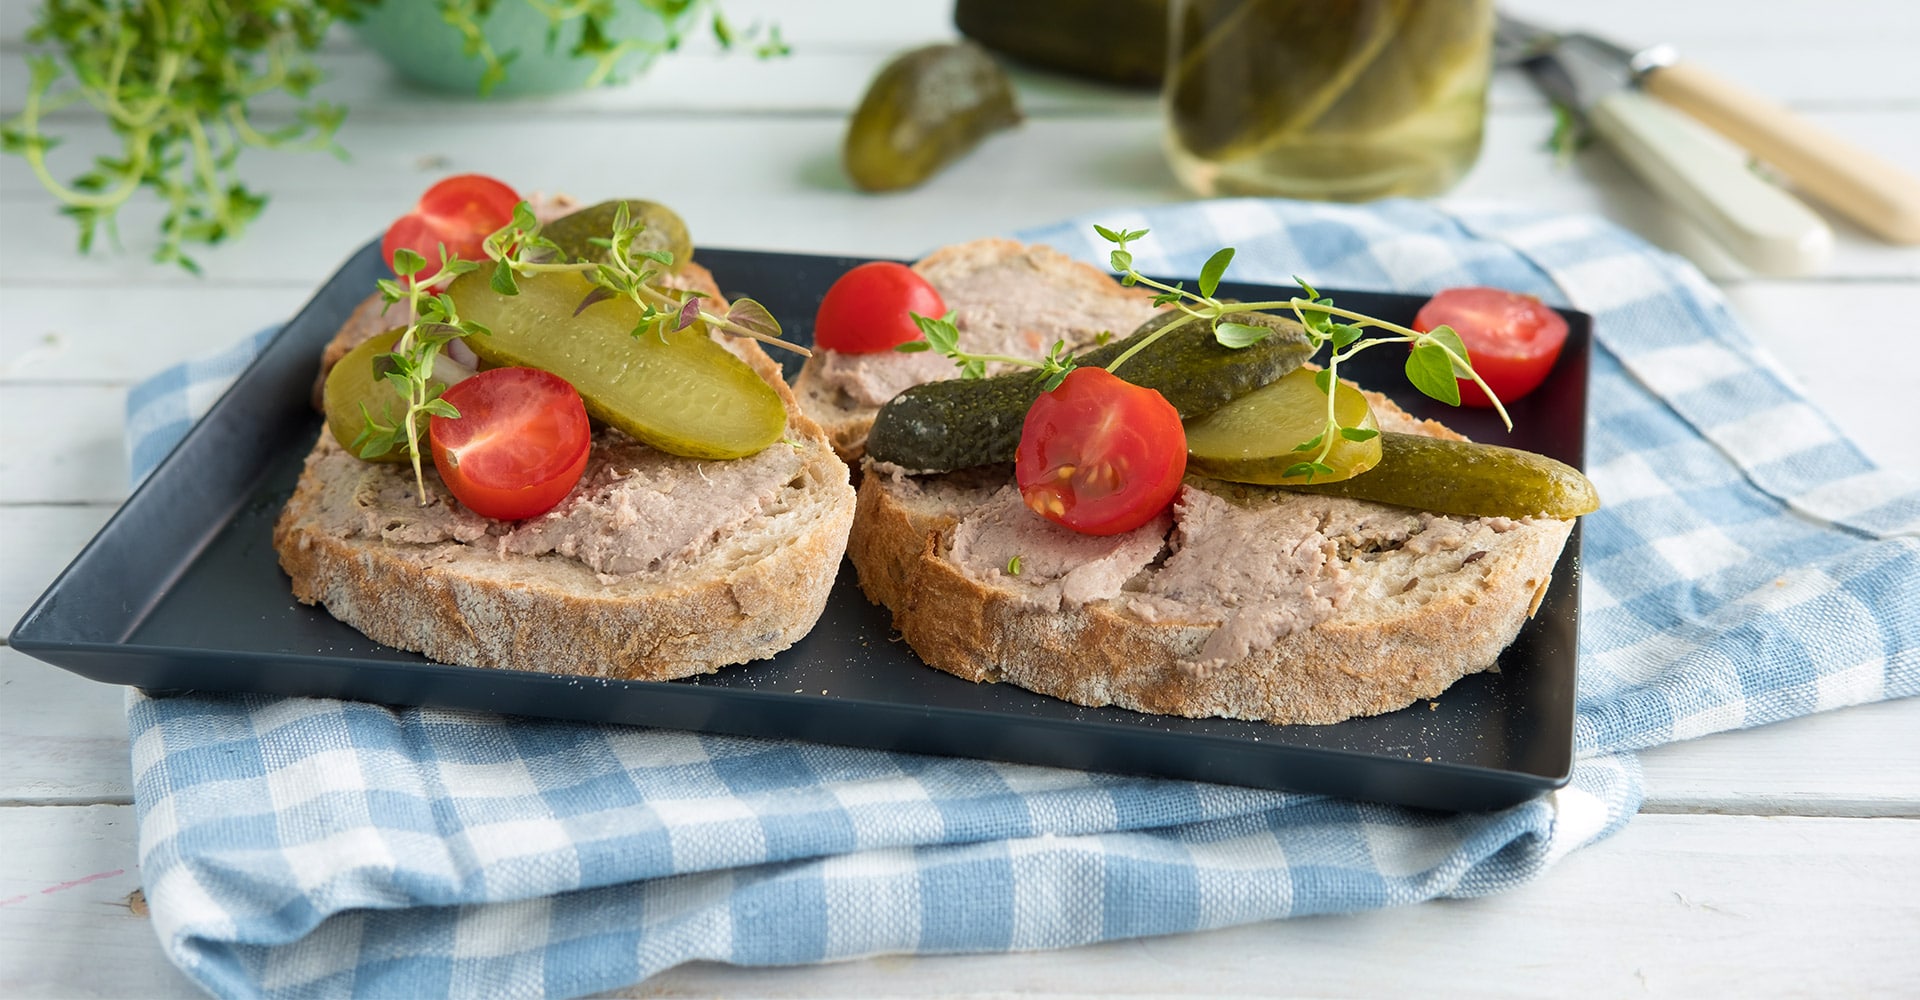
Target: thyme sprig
pixel 432 322
pixel 1435 363
pixel 518 250
pixel 177 83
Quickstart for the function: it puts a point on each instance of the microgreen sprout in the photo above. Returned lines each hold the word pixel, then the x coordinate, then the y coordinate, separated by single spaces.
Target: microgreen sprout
pixel 432 322
pixel 1435 363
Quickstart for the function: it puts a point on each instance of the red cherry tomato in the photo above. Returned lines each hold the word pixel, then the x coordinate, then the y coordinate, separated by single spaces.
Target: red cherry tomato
pixel 866 311
pixel 461 212
pixel 1512 339
pixel 1100 455
pixel 518 446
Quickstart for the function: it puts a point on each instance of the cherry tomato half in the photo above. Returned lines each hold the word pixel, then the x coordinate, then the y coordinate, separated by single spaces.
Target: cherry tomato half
pixel 518 446
pixel 460 211
pixel 866 310
pixel 1512 339
pixel 1100 455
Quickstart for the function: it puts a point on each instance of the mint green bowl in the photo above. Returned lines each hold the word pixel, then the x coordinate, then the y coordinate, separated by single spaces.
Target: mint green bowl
pixel 426 50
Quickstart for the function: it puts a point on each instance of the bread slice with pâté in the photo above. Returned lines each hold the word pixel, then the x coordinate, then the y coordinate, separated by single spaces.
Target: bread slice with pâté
pixel 654 567
pixel 1246 602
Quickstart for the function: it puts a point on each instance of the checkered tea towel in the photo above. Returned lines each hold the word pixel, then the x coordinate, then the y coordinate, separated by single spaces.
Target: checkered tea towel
pixel 1749 566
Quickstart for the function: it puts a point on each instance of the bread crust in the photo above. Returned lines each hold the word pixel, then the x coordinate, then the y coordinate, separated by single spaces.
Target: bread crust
pixel 466 604
pixel 1372 657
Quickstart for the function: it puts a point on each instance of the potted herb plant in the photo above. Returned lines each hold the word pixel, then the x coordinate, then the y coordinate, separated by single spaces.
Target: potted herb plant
pixel 178 83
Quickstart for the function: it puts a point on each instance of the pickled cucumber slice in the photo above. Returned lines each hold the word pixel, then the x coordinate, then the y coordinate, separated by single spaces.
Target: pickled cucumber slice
pixel 353 383
pixel 924 110
pixel 941 426
pixel 665 230
pixel 1462 477
pixel 1253 439
pixel 683 394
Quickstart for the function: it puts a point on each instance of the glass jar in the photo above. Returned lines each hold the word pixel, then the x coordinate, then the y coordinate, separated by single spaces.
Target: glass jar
pixel 1331 99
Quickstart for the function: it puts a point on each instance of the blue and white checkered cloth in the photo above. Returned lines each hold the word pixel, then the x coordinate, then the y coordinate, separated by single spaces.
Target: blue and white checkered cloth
pixel 1749 566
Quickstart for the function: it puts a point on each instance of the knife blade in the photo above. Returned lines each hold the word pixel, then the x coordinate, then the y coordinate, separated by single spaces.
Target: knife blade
pixel 1869 190
pixel 1760 225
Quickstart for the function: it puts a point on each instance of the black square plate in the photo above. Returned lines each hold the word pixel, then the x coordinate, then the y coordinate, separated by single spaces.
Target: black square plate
pixel 181 590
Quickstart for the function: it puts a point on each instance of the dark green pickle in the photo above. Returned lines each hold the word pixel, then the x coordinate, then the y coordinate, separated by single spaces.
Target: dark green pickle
pixel 1463 477
pixel 955 424
pixel 926 109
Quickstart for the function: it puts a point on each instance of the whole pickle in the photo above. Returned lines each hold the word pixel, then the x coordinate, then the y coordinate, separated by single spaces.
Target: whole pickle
pixel 1462 477
pixel 665 230
pixel 940 426
pixel 925 109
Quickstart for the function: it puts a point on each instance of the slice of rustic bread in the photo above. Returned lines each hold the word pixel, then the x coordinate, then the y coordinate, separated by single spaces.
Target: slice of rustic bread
pixel 1008 298
pixel 1249 602
pixel 654 567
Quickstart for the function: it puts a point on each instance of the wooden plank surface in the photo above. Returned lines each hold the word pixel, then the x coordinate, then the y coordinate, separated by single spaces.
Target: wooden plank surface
pixel 1779 861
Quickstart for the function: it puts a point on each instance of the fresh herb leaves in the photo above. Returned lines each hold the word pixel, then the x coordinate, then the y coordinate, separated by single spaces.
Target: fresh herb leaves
pixel 1434 365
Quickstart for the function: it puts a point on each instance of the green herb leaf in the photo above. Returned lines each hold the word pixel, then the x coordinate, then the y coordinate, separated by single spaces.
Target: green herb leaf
pixel 1107 234
pixel 1324 380
pixel 1121 260
pixel 941 333
pixel 913 347
pixel 1310 445
pixel 1013 566
pixel 1447 336
pixel 1238 335
pixel 1211 271
pixel 1431 372
pixel 503 282
pixel 751 315
pixel 1358 433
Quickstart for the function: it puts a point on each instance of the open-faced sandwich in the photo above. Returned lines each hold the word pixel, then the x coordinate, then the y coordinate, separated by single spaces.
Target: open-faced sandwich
pixel 1193 521
pixel 557 448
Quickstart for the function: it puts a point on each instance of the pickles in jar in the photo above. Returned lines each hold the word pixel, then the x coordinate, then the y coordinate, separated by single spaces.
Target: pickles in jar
pixel 1345 99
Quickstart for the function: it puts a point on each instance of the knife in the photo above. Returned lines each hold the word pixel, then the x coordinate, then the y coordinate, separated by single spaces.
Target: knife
pixel 1762 226
pixel 1882 198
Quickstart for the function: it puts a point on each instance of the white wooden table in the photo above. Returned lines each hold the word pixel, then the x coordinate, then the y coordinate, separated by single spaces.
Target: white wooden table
pixel 1777 861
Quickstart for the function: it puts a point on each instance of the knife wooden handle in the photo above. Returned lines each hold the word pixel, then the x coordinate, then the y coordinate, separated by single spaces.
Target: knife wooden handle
pixel 1762 226
pixel 1881 197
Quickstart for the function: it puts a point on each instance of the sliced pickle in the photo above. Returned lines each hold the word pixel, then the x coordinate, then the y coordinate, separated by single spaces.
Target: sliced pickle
pixel 1253 439
pixel 1461 477
pixel 665 230
pixel 683 394
pixel 351 384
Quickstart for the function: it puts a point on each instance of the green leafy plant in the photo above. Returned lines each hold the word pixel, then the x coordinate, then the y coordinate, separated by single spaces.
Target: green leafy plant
pixel 178 82
pixel 1435 363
